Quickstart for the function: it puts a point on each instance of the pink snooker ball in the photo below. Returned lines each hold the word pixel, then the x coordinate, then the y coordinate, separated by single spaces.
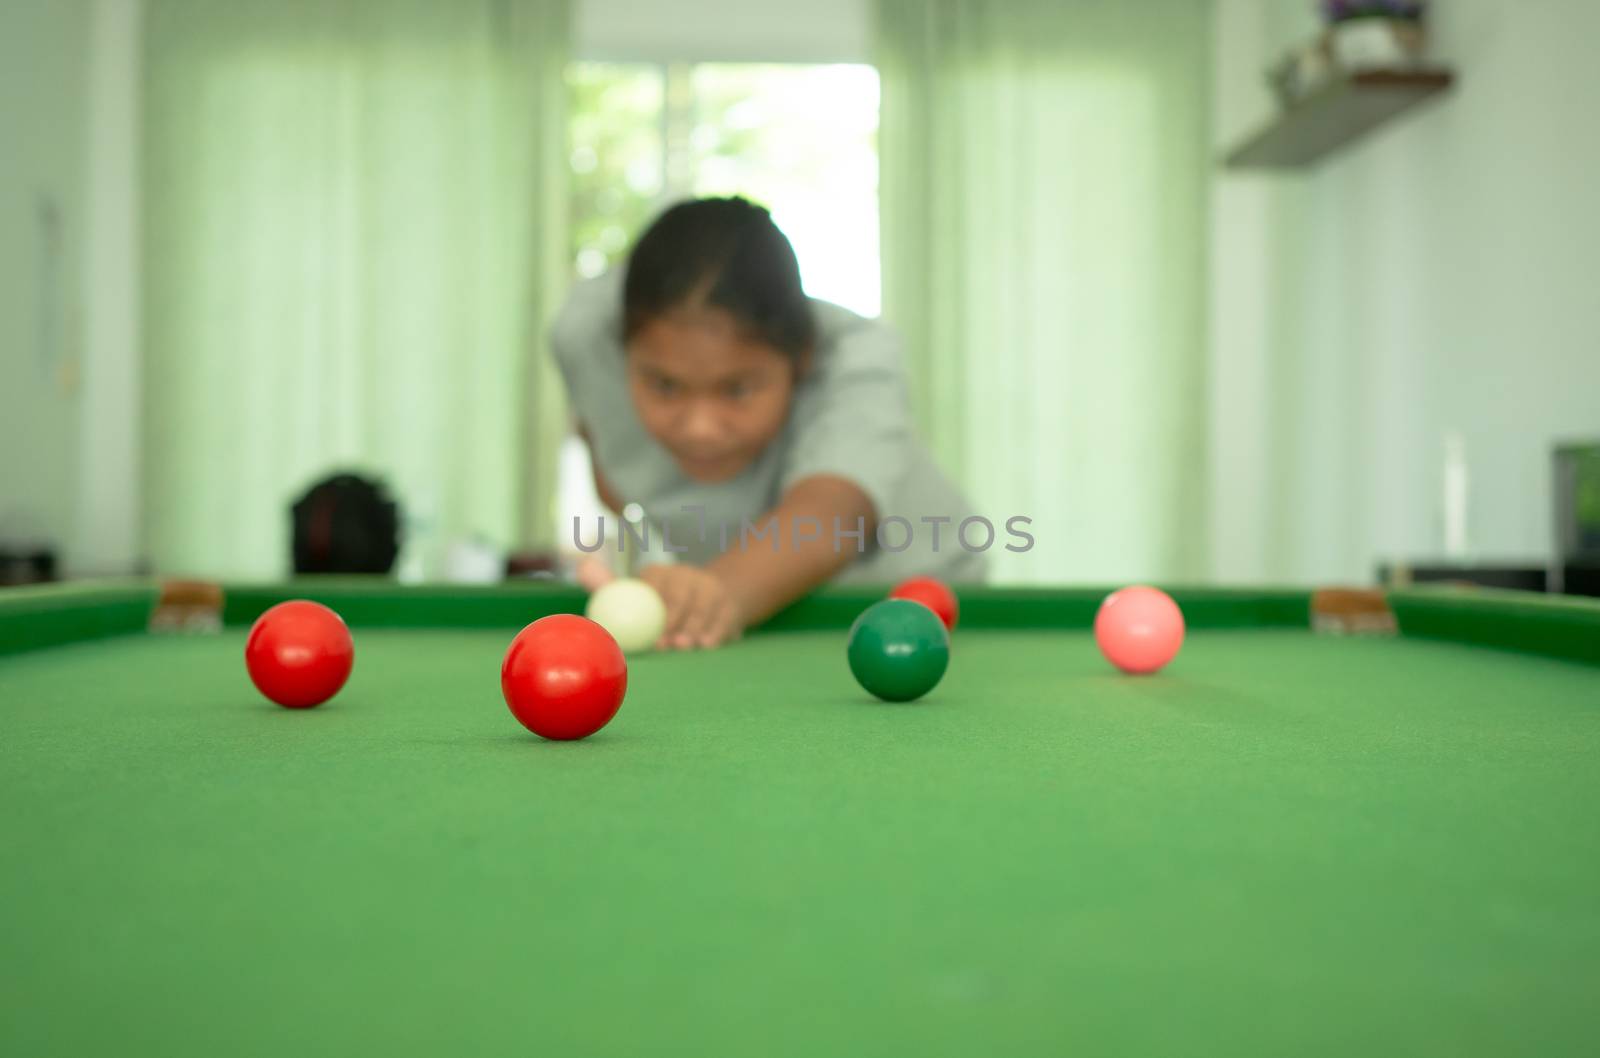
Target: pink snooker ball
pixel 1139 629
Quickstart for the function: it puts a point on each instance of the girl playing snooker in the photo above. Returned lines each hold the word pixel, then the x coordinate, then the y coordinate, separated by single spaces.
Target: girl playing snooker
pixel 759 430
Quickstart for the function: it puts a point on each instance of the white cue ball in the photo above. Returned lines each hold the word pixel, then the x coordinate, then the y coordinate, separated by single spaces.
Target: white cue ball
pixel 631 611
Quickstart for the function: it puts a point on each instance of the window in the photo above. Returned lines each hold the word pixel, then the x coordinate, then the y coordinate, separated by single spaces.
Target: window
pixel 799 139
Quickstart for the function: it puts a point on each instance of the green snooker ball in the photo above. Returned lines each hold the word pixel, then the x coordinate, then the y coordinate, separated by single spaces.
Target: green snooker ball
pixel 898 650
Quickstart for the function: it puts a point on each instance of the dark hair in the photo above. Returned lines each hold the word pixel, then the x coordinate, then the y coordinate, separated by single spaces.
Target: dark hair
pixel 345 524
pixel 726 253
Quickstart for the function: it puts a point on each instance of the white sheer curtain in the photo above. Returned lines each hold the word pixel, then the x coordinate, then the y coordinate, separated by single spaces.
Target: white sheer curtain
pixel 1044 188
pixel 353 231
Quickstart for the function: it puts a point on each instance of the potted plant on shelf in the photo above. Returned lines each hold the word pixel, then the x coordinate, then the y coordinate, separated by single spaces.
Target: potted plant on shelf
pixel 1367 34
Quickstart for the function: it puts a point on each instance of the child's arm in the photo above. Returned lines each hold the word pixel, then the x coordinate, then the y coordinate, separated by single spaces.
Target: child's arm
pixel 602 487
pixel 711 605
pixel 764 582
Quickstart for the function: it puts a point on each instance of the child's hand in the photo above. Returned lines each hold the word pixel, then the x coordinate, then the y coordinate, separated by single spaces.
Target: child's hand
pixel 701 611
pixel 592 574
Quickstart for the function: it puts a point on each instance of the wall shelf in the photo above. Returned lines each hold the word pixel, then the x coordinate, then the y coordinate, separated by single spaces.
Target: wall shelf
pixel 1335 114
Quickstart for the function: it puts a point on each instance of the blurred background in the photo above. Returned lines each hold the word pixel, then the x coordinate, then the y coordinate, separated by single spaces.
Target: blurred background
pixel 1237 291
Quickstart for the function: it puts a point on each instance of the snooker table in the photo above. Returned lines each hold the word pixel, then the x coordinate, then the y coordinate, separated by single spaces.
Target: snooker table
pixel 1285 843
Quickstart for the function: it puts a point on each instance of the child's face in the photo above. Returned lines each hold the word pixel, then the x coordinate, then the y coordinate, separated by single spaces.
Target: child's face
pixel 714 397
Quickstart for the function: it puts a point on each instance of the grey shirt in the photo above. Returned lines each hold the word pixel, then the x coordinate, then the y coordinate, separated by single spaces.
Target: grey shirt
pixel 850 418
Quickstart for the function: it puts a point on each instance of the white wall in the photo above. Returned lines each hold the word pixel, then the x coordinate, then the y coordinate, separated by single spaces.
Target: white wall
pixel 107 538
pixel 820 31
pixel 69 393
pixel 43 107
pixel 1441 275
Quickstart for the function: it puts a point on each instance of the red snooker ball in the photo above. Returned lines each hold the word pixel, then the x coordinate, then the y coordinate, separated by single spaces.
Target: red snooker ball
pixel 932 593
pixel 1139 629
pixel 564 677
pixel 299 654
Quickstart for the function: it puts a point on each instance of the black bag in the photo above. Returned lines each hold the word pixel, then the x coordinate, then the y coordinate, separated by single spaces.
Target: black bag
pixel 346 524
